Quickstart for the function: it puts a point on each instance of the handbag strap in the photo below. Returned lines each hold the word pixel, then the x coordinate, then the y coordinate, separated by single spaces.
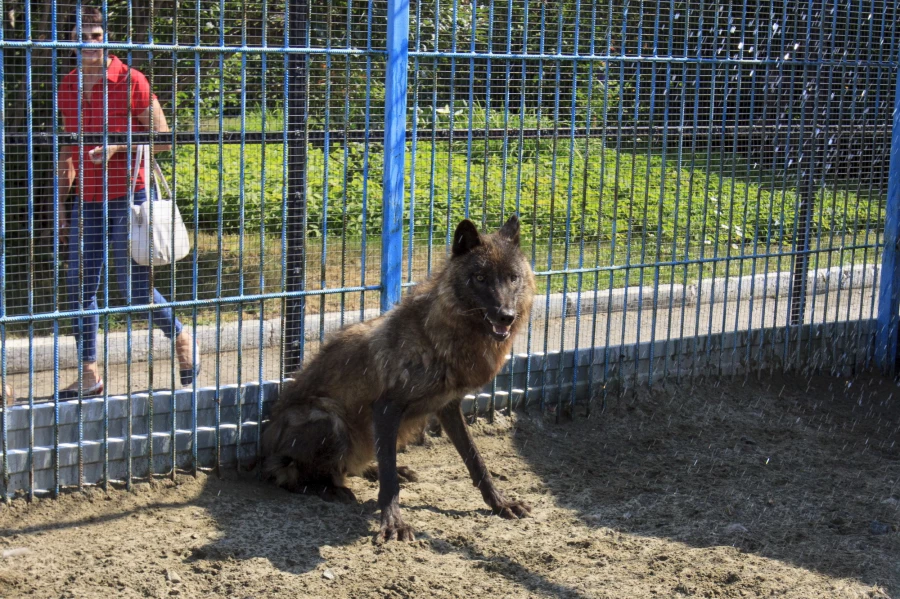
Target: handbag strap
pixel 160 179
pixel 138 162
pixel 143 157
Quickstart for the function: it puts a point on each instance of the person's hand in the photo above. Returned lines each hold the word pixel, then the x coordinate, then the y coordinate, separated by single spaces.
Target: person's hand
pixel 97 154
pixel 63 230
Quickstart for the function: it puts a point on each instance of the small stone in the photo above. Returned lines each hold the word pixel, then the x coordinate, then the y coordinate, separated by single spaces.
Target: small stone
pixel 174 592
pixel 328 574
pixel 736 528
pixel 7 553
pixel 173 576
pixel 877 528
pixel 892 501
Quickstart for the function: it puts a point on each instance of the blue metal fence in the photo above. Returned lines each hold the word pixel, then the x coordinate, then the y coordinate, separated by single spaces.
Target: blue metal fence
pixel 705 188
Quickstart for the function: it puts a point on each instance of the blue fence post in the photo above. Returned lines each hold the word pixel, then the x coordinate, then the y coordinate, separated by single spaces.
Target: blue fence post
pixel 396 76
pixel 889 291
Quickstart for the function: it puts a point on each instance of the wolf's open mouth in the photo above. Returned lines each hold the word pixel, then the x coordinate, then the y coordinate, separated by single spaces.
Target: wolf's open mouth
pixel 500 330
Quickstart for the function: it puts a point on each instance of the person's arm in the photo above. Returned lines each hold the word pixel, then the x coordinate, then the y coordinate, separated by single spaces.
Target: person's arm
pixel 160 125
pixel 65 177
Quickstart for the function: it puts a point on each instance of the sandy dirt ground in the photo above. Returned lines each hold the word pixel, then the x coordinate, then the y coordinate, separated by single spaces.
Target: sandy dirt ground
pixel 782 486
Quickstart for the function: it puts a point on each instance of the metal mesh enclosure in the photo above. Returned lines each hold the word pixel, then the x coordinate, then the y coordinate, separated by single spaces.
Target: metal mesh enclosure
pixel 703 187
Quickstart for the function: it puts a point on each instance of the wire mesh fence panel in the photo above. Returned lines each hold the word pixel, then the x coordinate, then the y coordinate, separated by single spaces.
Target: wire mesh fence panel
pixel 684 171
pixel 271 108
pixel 702 188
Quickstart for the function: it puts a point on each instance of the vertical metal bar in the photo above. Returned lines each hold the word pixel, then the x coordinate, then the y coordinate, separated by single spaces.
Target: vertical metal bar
pixel 220 269
pixel 582 211
pixel 106 265
pixel 451 114
pixel 749 179
pixel 660 215
pixel 4 414
pixel 554 161
pixel 818 168
pixel 262 234
pixel 56 247
pixel 414 146
pixel 173 295
pixel 195 264
pixel 242 170
pixel 659 200
pixel 701 236
pixel 473 7
pixel 296 119
pixel 326 164
pixel 81 203
pixel 151 403
pixel 872 310
pixel 673 16
pixel 433 156
pixel 344 160
pixel 537 170
pixel 806 192
pixel 129 422
pixel 505 161
pixel 286 144
pixel 29 124
pixel 519 161
pixel 396 75
pixel 889 289
pixel 365 169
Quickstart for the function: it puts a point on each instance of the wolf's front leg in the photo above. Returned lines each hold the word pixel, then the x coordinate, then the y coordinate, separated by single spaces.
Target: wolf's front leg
pixel 386 417
pixel 454 424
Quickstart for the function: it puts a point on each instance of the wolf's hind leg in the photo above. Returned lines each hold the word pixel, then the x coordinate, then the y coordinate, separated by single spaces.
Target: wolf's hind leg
pixel 308 449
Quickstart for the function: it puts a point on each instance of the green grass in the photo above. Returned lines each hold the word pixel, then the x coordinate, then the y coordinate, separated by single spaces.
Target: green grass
pixel 592 192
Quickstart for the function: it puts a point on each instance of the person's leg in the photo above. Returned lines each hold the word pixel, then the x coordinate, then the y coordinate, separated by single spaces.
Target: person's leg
pixel 164 318
pixel 86 278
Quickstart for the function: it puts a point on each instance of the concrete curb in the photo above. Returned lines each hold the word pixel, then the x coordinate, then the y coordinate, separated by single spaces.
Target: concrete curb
pixel 256 333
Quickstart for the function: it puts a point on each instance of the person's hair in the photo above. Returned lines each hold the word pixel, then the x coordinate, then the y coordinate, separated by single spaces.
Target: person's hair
pixel 90 15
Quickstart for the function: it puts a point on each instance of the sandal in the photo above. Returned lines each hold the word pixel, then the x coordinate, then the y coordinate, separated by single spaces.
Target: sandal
pixel 71 392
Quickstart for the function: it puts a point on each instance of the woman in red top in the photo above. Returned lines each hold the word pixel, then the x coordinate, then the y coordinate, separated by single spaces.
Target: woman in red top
pixel 128 103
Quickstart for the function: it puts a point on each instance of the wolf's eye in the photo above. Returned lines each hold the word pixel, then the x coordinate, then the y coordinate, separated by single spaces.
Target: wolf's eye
pixel 513 278
pixel 479 278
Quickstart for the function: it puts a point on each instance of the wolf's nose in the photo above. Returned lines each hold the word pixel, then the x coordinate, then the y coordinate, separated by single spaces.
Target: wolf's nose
pixel 506 317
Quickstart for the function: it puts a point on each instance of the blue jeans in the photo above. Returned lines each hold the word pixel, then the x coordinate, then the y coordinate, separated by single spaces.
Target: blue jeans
pixel 86 326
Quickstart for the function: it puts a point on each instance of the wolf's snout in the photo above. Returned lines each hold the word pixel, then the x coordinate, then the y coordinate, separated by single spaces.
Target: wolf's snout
pixel 501 321
pixel 505 317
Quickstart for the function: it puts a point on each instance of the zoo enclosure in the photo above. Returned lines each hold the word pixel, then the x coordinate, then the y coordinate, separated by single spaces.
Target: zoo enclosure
pixel 704 187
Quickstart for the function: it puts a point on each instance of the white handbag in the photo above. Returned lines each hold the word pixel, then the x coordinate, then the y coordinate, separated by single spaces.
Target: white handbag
pixel 170 237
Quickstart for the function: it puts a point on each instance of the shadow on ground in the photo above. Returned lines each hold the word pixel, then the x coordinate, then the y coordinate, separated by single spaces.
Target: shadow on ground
pixel 804 470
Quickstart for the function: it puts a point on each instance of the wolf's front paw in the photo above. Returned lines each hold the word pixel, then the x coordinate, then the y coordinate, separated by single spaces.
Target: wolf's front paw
pixel 393 528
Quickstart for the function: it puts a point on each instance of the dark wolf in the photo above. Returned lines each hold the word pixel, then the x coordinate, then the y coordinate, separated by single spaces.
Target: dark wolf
pixel 373 386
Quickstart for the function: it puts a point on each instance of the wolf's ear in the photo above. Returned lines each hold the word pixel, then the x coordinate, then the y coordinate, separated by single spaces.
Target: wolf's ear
pixel 466 238
pixel 510 230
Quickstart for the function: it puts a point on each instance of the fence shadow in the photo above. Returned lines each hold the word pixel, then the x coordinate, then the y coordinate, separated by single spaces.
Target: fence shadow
pixel 792 468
